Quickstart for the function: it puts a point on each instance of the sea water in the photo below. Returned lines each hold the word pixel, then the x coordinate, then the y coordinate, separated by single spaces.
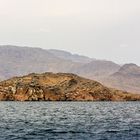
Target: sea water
pixel 69 120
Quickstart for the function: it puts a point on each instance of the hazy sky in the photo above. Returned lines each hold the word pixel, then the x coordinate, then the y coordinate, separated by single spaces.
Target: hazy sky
pixel 103 29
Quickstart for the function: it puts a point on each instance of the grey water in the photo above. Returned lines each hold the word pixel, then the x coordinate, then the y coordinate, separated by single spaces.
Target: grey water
pixel 69 120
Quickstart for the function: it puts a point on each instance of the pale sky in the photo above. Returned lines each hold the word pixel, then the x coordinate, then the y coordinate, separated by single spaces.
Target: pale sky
pixel 102 29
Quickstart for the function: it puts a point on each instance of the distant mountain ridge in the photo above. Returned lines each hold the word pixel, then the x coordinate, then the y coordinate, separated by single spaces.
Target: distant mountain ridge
pixel 18 61
pixel 23 60
pixel 129 69
pixel 127 78
pixel 97 69
pixel 69 56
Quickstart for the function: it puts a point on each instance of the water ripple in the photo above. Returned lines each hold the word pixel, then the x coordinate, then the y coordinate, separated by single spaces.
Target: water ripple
pixel 69 121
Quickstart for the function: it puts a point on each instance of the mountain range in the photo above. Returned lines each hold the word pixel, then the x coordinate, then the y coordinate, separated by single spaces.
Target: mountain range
pixel 18 61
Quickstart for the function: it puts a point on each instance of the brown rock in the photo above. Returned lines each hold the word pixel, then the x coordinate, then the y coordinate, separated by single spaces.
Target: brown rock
pixel 59 87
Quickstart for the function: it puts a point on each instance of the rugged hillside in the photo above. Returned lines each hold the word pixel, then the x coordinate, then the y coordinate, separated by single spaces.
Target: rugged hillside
pixel 16 61
pixel 59 87
pixel 97 69
pixel 127 78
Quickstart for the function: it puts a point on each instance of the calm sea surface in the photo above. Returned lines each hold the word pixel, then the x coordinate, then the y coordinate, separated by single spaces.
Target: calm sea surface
pixel 70 120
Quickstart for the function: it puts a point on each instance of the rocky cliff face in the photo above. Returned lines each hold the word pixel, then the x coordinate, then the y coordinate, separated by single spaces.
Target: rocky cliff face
pixel 59 87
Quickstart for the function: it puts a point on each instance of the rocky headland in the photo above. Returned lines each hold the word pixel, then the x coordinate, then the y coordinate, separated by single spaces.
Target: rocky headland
pixel 59 87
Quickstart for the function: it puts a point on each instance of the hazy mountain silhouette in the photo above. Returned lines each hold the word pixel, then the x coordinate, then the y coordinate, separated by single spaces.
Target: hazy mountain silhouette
pixel 18 61
pixel 69 56
pixel 127 78
pixel 97 69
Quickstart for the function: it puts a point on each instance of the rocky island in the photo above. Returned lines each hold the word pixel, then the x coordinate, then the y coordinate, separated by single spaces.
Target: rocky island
pixel 59 87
